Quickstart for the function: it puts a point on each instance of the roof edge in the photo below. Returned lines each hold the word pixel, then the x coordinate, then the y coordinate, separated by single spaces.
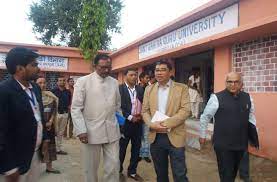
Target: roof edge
pixel 197 13
pixel 48 47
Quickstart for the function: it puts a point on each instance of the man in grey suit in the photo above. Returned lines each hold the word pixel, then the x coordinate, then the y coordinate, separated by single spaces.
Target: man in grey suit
pixel 96 99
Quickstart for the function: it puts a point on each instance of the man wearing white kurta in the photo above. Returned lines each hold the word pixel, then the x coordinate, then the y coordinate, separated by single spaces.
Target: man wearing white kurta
pixel 95 101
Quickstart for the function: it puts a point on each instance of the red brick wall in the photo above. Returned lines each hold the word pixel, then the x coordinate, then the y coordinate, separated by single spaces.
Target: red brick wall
pixel 256 60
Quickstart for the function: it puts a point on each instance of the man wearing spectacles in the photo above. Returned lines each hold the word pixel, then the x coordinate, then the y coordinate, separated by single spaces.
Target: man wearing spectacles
pixel 96 99
pixel 234 126
pixel 167 136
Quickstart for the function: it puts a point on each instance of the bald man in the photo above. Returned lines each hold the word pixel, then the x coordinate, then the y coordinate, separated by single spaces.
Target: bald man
pixel 233 111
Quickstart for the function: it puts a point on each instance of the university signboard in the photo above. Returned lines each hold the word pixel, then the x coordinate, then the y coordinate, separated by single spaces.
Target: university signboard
pixel 218 22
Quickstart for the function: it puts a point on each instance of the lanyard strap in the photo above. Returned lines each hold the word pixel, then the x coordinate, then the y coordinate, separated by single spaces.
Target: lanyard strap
pixel 132 92
pixel 134 100
pixel 32 98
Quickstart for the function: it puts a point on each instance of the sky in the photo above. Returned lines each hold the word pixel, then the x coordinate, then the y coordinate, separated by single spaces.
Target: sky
pixel 138 18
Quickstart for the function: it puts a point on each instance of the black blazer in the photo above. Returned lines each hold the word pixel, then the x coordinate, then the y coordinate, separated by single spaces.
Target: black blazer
pixel 18 126
pixel 126 106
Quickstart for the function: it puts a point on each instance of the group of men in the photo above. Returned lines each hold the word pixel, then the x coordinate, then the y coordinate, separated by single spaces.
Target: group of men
pixel 96 100
pixel 23 135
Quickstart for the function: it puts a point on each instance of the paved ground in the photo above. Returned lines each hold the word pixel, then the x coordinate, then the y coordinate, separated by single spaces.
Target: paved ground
pixel 201 167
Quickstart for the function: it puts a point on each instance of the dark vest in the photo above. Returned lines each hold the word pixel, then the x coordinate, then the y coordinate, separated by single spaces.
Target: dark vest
pixel 231 121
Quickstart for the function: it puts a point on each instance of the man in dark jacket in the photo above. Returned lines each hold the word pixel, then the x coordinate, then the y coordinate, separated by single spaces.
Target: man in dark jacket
pixel 234 126
pixel 131 102
pixel 22 133
pixel 64 97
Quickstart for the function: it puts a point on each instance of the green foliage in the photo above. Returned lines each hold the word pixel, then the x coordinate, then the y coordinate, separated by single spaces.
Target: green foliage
pixel 76 23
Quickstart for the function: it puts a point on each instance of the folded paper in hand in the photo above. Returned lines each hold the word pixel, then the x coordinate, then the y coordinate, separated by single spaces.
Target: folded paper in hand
pixel 158 116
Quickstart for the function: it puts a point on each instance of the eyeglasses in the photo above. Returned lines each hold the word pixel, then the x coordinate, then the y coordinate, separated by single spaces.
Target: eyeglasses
pixel 104 67
pixel 161 70
pixel 233 82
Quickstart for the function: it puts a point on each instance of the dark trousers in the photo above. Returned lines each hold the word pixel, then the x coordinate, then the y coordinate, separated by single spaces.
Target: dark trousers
pixel 135 138
pixel 70 127
pixel 244 166
pixel 160 150
pixel 228 163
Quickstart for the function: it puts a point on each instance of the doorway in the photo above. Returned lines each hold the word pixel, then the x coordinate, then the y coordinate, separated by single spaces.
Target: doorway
pixel 204 62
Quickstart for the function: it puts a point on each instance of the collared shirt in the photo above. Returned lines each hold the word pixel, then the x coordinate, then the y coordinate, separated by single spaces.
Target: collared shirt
pixel 133 96
pixel 64 99
pixel 35 107
pixel 163 92
pixel 210 111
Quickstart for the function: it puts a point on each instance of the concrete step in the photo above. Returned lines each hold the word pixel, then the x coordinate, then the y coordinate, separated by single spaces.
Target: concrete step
pixel 193 128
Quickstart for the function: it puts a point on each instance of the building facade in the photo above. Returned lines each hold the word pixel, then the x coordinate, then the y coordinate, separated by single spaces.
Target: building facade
pixel 216 38
pixel 54 61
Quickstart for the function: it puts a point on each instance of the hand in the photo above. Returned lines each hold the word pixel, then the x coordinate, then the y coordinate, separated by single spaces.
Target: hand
pixel 135 119
pixel 139 117
pixel 48 125
pixel 83 138
pixel 202 141
pixel 158 127
pixel 13 177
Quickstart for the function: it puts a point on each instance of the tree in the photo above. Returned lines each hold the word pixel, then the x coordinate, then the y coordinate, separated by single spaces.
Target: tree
pixel 87 24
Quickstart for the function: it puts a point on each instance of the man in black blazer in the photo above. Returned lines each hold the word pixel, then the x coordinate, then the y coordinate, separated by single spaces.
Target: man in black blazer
pixel 131 102
pixel 22 134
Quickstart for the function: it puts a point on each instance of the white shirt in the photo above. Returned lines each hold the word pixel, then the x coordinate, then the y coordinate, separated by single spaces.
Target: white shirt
pixel 37 114
pixel 195 80
pixel 133 96
pixel 163 92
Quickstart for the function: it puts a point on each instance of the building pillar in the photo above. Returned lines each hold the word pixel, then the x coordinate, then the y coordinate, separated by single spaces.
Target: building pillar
pixel 222 66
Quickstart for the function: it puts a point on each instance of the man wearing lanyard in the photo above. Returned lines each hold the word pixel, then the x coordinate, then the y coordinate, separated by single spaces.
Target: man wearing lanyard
pixel 22 132
pixel 131 100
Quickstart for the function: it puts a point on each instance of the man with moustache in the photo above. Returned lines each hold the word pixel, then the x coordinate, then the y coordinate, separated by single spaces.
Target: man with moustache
pixel 96 99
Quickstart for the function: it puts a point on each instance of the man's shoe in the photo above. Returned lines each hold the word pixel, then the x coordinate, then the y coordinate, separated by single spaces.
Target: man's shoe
pixel 147 159
pixel 245 179
pixel 139 159
pixel 61 152
pixel 53 171
pixel 135 177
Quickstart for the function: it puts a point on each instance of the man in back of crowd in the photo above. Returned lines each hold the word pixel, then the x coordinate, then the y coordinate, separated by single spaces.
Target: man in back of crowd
pixel 64 97
pixel 145 146
pixel 152 79
pixel 68 133
pixel 195 79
